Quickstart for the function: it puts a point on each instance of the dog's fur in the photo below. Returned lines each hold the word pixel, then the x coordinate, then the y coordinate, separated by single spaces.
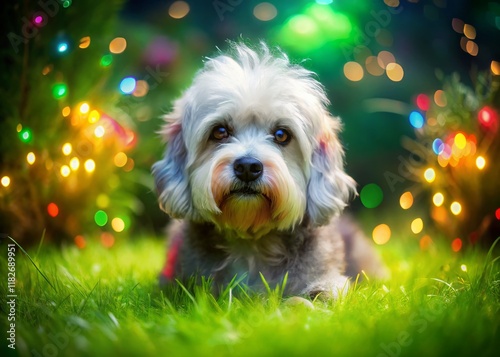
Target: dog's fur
pixel 286 220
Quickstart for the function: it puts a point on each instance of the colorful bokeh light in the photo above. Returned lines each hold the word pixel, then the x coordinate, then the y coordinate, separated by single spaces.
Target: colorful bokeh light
pixel 371 195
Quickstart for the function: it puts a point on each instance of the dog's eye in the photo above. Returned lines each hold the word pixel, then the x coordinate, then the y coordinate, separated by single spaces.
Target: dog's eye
pixel 282 136
pixel 219 133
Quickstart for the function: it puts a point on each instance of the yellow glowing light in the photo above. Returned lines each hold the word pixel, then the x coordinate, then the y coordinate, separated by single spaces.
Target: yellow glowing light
pixel 74 163
pixel 480 162
pixel 463 267
pixel 438 199
pixel 31 158
pixel 353 71
pixel 89 165
pixel 265 11
pixel 117 45
pixel 84 42
pixel 66 149
pixel 65 170
pixel 94 116
pixel 456 208
pixel 430 175
pixel 19 127
pixel 47 69
pixel 118 224
pixel 392 3
pixel 84 108
pixel 102 201
pixel 417 225
pixel 99 131
pixel 406 200
pixel 460 141
pixel 495 68
pixel 381 234
pixel 469 31
pixel 395 72
pixel 66 111
pixel 178 9
pixel 120 159
pixel 5 181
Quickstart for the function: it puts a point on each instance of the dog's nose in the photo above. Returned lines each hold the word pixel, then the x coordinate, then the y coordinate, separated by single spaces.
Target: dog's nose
pixel 247 168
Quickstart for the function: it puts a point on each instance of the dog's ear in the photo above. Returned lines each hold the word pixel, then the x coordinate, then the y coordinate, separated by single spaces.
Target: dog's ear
pixel 329 188
pixel 171 180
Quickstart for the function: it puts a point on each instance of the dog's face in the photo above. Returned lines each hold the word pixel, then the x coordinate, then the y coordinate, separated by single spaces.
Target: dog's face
pixel 252 148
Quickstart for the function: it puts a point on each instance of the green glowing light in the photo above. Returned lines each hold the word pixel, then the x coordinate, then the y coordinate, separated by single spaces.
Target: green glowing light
pixel 59 90
pixel 106 60
pixel 371 195
pixel 67 3
pixel 101 218
pixel 25 135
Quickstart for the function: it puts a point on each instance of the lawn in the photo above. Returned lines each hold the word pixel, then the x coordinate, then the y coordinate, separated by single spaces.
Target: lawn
pixel 103 302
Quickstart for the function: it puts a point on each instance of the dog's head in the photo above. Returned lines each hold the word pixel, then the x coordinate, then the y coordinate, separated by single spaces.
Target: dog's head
pixel 252 147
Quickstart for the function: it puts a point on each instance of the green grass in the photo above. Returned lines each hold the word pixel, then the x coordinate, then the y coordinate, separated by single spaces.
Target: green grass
pixel 106 302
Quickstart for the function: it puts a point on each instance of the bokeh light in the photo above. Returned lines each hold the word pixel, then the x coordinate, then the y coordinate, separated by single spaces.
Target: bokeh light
pixel 80 241
pixel 120 159
pixel 67 148
pixel 456 244
pixel 25 135
pixel 66 111
pixel 438 146
pixel 373 67
pixel 353 71
pixel 127 85
pixel 406 200
pixel 62 47
pixel 395 72
pixel 430 175
pixel 117 45
pixel 5 181
pixel 52 209
pixel 65 170
pixel 59 90
pixel 99 131
pixel 381 234
pixel 495 68
pixel 74 163
pixel 89 165
pixel 107 239
pixel 265 11
pixel 118 224
pixel 141 88
pixel 456 208
pixel 84 42
pixel 84 108
pixel 31 158
pixel 480 162
pixel 440 98
pixel 178 9
pixel 417 225
pixel 106 60
pixel 438 199
pixel 416 119
pixel 425 242
pixel 423 102
pixel 101 218
pixel 371 195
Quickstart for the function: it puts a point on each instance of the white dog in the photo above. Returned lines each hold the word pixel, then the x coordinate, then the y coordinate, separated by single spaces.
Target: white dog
pixel 254 168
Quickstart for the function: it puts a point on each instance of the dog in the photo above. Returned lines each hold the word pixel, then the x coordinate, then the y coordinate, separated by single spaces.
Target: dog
pixel 253 177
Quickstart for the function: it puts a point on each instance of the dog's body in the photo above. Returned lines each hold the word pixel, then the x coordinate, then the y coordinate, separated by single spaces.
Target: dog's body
pixel 255 170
